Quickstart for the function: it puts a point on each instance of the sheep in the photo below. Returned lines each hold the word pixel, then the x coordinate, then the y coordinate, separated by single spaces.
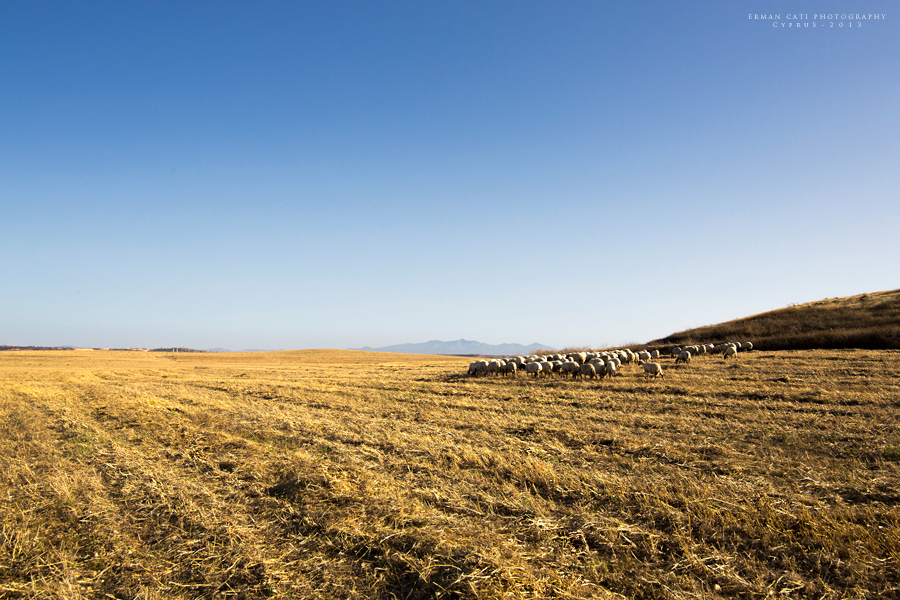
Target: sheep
pixel 610 369
pixel 675 351
pixel 479 367
pixel 651 368
pixel 599 367
pixel 729 351
pixel 570 366
pixel 747 346
pixel 587 369
pixel 579 357
pixel 534 368
pixel 654 354
pixel 643 355
pixel 684 356
pixel 510 368
pixel 546 368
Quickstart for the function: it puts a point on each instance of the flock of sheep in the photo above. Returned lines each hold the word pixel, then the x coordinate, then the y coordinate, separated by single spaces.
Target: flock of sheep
pixel 598 364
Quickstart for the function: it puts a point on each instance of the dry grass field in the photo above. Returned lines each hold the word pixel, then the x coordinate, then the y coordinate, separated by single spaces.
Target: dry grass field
pixel 338 474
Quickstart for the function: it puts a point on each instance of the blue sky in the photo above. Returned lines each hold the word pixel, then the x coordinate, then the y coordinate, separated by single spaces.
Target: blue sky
pixel 345 174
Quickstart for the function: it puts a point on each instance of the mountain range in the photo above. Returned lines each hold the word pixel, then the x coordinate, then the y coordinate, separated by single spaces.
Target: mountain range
pixel 460 347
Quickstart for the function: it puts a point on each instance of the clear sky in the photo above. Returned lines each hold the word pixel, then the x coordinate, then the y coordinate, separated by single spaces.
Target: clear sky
pixel 342 174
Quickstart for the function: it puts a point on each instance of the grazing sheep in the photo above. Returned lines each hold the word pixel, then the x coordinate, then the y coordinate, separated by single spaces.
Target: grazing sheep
pixel 654 354
pixel 587 369
pixel 651 368
pixel 746 346
pixel 643 355
pixel 610 369
pixel 569 367
pixel 510 369
pixel 534 368
pixel 479 367
pixel 684 356
pixel 729 351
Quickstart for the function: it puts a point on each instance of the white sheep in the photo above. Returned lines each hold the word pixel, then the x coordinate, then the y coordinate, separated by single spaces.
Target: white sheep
pixel 746 346
pixel 569 367
pixel 533 368
pixel 546 368
pixel 643 355
pixel 651 368
pixel 479 367
pixel 610 369
pixel 729 351
pixel 587 369
pixel 684 356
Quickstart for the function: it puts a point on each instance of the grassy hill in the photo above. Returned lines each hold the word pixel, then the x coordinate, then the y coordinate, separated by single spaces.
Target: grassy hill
pixel 869 321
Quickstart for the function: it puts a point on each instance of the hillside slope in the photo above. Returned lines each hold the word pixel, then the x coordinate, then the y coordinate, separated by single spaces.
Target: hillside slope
pixel 864 321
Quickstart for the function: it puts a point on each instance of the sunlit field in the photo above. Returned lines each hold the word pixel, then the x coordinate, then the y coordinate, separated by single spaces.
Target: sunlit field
pixel 339 474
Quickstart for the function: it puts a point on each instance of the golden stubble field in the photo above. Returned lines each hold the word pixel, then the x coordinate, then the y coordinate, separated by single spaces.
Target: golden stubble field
pixel 338 474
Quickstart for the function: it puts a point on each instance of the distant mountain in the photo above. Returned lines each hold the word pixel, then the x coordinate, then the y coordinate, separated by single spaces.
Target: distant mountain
pixel 461 347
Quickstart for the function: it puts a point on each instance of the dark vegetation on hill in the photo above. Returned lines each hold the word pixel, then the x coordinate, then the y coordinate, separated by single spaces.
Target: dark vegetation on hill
pixel 15 348
pixel 176 350
pixel 870 321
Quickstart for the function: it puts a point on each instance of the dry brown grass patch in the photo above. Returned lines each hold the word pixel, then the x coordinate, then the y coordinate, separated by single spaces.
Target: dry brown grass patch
pixel 325 474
